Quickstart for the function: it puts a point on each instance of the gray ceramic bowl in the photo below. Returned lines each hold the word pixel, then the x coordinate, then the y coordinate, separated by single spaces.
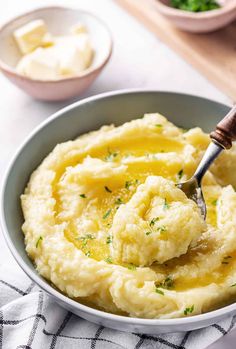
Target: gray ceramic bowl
pixel 89 114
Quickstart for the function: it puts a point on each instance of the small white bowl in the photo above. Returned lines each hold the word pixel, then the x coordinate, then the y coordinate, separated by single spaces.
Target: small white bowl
pixel 59 20
pixel 199 22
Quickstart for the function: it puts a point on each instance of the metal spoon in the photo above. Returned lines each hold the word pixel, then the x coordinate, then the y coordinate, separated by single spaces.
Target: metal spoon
pixel 222 138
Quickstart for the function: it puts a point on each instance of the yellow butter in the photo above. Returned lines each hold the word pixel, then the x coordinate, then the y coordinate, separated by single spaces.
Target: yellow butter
pixel 40 64
pixel 48 57
pixel 30 36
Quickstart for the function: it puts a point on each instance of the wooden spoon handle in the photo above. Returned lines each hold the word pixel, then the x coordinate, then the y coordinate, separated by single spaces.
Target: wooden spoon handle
pixel 225 131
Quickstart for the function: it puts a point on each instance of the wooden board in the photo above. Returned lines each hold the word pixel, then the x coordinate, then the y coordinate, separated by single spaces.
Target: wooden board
pixel 213 54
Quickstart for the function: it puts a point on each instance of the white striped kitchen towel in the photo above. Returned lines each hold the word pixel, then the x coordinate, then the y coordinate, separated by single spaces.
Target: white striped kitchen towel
pixel 30 319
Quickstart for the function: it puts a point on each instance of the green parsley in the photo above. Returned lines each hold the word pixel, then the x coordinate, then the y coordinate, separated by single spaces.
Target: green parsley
pixel 38 241
pixel 162 229
pixel 153 221
pixel 158 125
pixel 109 239
pixel 108 260
pixel 148 233
pixel 118 201
pixel 214 202
pixel 107 214
pixel 83 196
pixel 189 310
pixel 168 283
pixel 88 254
pixel 131 266
pixel 157 290
pixel 195 5
pixel 129 183
pixel 233 285
pixel 107 189
pixel 111 155
pixel 180 173
pixel 166 206
pixel 85 239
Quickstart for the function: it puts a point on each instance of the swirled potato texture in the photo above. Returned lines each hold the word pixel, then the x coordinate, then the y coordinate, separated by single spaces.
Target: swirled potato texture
pixel 105 223
pixel 157 224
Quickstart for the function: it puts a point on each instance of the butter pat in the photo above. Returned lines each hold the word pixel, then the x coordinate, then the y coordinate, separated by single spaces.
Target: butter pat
pixel 40 65
pixel 47 40
pixel 50 57
pixel 30 36
pixel 75 54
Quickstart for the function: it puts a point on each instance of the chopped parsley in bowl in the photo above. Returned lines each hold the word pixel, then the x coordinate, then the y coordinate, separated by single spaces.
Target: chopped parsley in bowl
pixel 195 5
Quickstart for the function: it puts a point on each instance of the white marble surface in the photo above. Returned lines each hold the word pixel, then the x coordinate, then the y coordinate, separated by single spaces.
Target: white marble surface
pixel 139 60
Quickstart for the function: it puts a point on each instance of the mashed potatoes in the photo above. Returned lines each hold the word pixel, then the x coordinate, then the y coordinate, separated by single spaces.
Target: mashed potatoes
pixel 157 224
pixel 105 223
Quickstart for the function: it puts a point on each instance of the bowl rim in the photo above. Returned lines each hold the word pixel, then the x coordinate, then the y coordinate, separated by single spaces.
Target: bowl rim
pixel 86 73
pixel 53 291
pixel 168 10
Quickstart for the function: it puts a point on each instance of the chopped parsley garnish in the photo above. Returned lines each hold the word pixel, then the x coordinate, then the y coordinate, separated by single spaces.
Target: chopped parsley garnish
pixel 108 260
pixel 83 196
pixel 107 214
pixel 88 254
pixel 189 310
pixel 157 290
pixel 38 241
pixel 153 221
pixel 131 266
pixel 85 239
pixel 180 173
pixel 162 228
pixel 118 201
pixel 109 239
pixel 195 5
pixel 148 233
pixel 108 189
pixel 111 155
pixel 158 125
pixel 168 283
pixel 129 183
pixel 233 285
pixel 166 206
pixel 214 202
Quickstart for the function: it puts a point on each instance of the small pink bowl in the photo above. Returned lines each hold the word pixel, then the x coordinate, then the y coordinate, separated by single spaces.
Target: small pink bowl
pixel 58 20
pixel 199 22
